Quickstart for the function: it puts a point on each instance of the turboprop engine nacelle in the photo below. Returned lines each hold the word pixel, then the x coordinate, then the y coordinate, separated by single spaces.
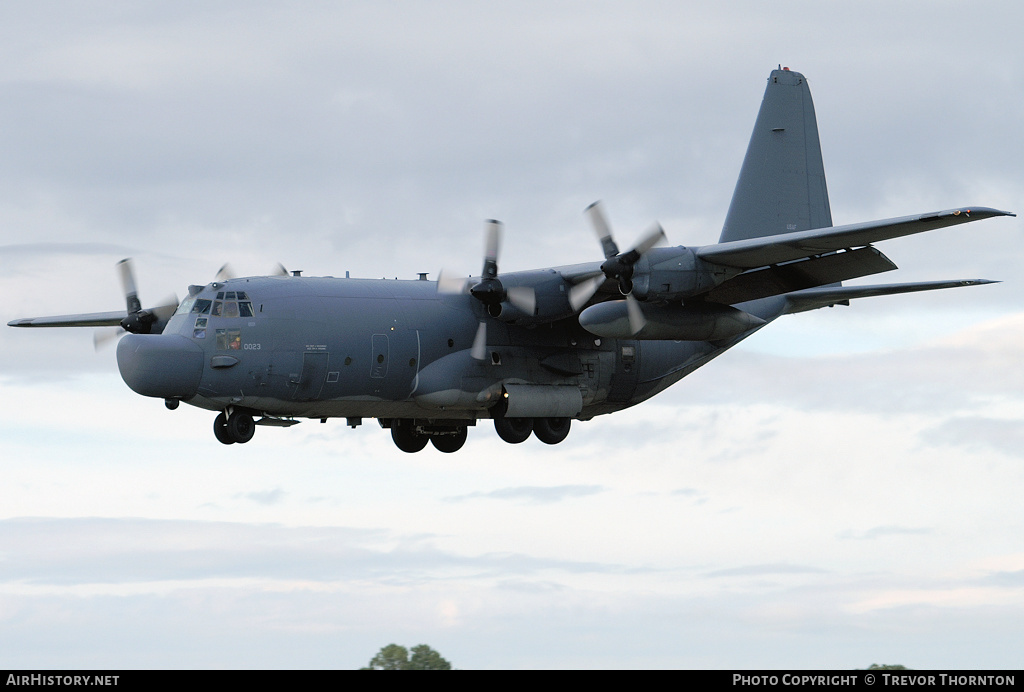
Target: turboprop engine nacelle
pixel 695 322
pixel 675 273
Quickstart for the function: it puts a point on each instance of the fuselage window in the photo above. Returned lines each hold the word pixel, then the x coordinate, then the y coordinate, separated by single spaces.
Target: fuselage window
pixel 229 339
pixel 200 329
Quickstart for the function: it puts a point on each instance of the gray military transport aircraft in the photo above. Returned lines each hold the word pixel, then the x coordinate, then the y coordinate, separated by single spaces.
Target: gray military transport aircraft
pixel 531 350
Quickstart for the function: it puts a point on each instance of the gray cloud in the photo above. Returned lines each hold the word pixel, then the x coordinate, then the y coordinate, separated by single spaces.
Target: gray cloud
pixel 1005 436
pixel 538 495
pixel 884 532
pixel 120 551
pixel 1011 580
pixel 265 497
pixel 765 570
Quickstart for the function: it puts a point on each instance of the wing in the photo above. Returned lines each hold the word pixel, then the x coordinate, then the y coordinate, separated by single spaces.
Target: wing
pixel 824 296
pixel 92 319
pixel 775 249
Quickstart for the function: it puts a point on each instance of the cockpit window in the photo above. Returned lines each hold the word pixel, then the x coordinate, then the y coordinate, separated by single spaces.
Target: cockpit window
pixel 229 304
pixel 185 306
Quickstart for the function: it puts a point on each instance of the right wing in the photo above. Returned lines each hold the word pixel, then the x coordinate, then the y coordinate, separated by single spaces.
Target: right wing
pixel 824 296
pixel 92 319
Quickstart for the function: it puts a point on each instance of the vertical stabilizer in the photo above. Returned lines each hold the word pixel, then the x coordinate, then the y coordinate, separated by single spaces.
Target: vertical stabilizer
pixel 781 187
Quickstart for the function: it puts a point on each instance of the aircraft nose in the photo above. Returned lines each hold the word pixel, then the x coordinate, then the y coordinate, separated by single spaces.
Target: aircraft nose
pixel 158 365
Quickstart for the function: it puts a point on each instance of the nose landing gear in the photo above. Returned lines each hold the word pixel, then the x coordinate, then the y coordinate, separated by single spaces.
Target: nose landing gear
pixel 238 427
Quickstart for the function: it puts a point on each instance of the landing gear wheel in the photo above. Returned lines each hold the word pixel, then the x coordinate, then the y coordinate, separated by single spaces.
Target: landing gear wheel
pixel 220 429
pixel 551 431
pixel 406 438
pixel 241 427
pixel 449 443
pixel 513 430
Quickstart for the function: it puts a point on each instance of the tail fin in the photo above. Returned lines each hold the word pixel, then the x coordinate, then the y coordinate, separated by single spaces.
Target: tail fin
pixel 781 187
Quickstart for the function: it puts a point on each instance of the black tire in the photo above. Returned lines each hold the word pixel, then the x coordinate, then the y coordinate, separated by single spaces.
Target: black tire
pixel 220 429
pixel 449 443
pixel 551 431
pixel 241 427
pixel 513 430
pixel 406 438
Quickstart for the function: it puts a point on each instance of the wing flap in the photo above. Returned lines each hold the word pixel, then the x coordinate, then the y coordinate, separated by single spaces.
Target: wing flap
pixel 761 252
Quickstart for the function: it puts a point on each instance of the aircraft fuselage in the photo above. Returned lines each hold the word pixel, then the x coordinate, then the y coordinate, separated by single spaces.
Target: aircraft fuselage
pixel 321 347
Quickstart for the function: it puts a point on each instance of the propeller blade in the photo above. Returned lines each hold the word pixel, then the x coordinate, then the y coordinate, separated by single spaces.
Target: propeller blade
pixel 523 297
pixel 279 270
pixel 479 350
pixel 655 234
pixel 225 273
pixel 492 245
pixel 101 338
pixel 595 212
pixel 451 284
pixel 131 294
pixel 166 309
pixel 636 315
pixel 584 291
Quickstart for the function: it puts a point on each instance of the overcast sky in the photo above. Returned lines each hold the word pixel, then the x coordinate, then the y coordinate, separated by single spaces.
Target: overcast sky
pixel 843 488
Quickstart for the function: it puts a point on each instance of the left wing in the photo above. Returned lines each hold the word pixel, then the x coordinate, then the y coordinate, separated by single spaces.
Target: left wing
pixel 774 249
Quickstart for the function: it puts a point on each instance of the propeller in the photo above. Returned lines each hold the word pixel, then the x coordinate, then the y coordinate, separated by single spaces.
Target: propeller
pixel 616 266
pixel 138 320
pixel 489 290
pixel 225 273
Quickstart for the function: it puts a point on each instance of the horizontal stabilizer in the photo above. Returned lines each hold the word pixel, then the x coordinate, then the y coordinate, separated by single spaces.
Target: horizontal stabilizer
pixel 93 319
pixel 761 252
pixel 824 296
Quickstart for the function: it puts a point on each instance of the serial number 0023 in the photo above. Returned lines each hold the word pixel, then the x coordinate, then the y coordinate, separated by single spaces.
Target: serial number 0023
pixel 251 347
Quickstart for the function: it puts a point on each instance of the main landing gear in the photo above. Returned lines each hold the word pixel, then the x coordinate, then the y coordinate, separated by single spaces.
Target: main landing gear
pixel 550 431
pixel 412 436
pixel 238 427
